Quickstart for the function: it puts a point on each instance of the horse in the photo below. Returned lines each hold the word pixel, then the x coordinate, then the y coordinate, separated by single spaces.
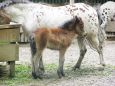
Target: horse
pixel 5 19
pixel 58 38
pixel 107 13
pixel 33 16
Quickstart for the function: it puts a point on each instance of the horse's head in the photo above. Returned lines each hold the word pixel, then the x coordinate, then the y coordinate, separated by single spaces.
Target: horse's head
pixel 4 18
pixel 7 3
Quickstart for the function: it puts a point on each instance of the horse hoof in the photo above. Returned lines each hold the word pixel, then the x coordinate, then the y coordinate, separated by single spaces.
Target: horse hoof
pixel 75 67
pixel 34 75
pixel 100 67
pixel 103 64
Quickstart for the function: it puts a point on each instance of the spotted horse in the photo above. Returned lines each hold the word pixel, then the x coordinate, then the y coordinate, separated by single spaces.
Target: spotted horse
pixel 36 15
pixel 107 13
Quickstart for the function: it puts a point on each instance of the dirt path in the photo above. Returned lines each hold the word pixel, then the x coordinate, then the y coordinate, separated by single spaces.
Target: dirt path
pixel 88 75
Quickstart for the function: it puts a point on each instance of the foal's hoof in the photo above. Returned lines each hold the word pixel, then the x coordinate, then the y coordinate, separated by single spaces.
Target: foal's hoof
pixel 40 76
pixel 60 74
pixel 34 75
pixel 63 74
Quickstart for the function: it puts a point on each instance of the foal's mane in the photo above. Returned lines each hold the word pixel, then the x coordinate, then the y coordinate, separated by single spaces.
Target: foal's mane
pixel 7 3
pixel 71 24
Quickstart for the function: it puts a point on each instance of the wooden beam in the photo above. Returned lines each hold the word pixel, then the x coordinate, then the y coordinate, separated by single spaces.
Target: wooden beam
pixel 72 1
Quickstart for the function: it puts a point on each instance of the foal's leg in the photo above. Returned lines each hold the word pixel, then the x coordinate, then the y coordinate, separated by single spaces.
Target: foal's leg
pixel 37 71
pixel 33 52
pixel 83 50
pixel 41 66
pixel 60 71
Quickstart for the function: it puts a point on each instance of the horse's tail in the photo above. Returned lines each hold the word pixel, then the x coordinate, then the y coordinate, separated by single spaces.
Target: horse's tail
pixel 10 2
pixel 97 8
pixel 101 31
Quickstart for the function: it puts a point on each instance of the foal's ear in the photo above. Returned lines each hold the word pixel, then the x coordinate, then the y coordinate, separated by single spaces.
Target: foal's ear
pixel 78 21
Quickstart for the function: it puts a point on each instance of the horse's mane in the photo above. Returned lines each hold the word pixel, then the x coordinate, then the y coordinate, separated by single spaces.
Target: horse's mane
pixel 10 2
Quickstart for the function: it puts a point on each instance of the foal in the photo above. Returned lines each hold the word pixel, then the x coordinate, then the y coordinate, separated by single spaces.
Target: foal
pixel 55 38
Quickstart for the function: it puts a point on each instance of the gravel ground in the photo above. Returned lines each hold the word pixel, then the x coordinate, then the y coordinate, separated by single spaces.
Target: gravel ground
pixel 91 60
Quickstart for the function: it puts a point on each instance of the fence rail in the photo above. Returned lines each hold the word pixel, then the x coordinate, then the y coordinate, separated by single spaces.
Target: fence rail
pixel 67 1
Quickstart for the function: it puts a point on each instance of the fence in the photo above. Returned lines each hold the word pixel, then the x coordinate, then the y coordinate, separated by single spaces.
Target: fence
pixel 67 1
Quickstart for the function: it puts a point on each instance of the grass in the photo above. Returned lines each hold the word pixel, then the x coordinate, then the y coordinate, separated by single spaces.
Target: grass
pixel 23 74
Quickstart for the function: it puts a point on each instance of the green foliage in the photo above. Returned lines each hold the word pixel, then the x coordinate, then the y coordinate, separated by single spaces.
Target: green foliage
pixel 22 75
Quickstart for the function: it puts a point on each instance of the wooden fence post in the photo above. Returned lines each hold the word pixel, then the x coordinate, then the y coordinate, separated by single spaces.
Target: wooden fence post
pixel 71 1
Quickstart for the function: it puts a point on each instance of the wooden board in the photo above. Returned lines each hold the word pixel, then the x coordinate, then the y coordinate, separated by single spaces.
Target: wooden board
pixel 111 27
pixel 9 52
pixel 9 35
pixel 9 26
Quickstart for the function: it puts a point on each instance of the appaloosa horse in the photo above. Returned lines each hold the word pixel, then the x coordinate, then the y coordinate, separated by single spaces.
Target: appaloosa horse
pixel 35 15
pixel 107 13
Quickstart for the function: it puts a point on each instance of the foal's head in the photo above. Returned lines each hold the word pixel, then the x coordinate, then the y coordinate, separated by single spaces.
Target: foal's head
pixel 75 24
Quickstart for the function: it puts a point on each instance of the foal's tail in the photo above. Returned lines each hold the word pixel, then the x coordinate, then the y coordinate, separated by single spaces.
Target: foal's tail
pixel 32 45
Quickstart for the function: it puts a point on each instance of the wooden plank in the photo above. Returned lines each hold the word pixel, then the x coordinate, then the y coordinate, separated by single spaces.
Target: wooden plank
pixel 111 27
pixel 9 26
pixel 10 35
pixel 9 52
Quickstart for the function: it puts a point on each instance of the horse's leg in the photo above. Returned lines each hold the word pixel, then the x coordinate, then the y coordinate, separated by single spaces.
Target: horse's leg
pixel 83 50
pixel 95 44
pixel 33 51
pixel 60 71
